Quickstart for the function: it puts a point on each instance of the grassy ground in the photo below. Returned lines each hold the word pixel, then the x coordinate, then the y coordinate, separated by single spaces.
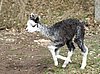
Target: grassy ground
pixel 24 53
pixel 93 62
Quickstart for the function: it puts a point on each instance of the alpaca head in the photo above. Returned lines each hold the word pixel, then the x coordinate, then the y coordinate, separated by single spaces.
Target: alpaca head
pixel 33 23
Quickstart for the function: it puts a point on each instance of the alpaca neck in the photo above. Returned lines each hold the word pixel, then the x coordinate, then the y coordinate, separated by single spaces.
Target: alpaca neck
pixel 44 30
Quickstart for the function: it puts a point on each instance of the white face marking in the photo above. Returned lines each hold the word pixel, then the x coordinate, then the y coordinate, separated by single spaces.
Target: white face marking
pixel 32 26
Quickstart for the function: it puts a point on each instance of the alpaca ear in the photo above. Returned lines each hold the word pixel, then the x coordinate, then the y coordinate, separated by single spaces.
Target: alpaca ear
pixel 34 17
pixel 37 20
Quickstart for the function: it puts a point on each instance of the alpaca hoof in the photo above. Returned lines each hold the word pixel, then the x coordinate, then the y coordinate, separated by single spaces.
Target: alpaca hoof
pixel 82 68
pixel 56 64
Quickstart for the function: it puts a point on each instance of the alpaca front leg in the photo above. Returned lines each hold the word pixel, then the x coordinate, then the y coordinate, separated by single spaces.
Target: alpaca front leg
pixel 68 59
pixel 59 56
pixel 52 50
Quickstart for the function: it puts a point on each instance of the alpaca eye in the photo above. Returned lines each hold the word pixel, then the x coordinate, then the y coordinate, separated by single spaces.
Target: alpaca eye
pixel 33 25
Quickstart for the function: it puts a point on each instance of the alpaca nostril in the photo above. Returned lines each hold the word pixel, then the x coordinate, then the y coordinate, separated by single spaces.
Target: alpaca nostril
pixel 26 29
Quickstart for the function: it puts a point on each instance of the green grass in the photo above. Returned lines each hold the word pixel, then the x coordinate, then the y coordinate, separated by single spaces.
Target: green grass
pixel 93 62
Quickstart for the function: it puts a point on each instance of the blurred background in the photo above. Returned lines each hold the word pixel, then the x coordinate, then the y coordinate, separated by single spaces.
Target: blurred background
pixel 26 53
pixel 14 13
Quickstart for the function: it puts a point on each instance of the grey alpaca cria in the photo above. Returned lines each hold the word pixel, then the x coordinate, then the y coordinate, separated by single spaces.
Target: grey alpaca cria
pixel 61 33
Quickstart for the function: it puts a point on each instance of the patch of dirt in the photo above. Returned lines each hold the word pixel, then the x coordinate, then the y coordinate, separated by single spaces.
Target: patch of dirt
pixel 27 53
pixel 22 53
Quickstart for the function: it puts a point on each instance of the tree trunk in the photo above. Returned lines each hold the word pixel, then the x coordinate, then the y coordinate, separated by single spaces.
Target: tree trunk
pixel 97 10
